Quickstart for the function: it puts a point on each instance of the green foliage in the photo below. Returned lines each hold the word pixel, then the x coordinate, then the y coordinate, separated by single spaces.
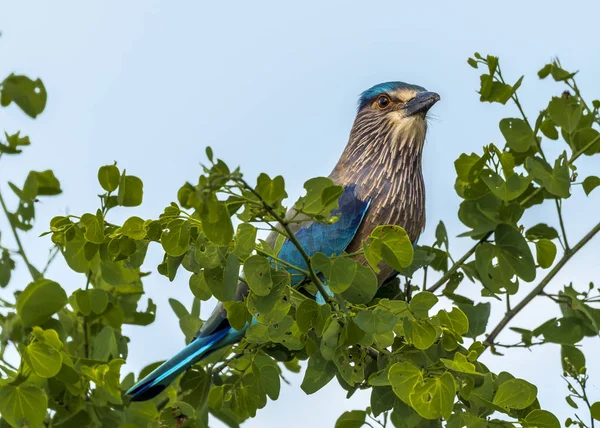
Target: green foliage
pixel 421 361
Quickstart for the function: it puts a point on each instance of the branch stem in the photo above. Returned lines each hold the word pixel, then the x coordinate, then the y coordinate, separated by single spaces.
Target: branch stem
pixel 540 287
pixel 290 235
pixel 32 270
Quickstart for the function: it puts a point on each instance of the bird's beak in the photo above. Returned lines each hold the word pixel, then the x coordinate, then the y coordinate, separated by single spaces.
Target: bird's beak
pixel 421 103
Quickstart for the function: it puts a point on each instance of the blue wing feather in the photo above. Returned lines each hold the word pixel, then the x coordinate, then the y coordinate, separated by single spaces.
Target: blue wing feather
pixel 327 239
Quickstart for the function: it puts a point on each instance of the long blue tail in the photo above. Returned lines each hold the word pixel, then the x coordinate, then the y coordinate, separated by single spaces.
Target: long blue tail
pixel 159 379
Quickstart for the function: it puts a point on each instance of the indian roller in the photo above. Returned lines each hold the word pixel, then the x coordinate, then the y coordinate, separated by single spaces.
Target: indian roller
pixel 380 171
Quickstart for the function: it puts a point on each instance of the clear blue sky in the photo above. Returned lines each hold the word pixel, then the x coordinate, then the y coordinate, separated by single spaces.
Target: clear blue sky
pixel 272 87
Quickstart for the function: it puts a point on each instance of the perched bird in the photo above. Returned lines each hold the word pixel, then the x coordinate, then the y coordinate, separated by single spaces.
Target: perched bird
pixel 380 170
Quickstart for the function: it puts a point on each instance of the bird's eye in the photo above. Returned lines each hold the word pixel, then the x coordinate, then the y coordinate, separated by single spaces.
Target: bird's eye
pixel 383 102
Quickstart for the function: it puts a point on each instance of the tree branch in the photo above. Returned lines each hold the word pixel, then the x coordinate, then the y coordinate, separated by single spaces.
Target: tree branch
pixel 540 287
pixel 32 270
pixel 290 235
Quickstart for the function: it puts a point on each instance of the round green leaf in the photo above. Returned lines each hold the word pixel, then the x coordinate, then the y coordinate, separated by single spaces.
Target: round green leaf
pixel 318 373
pixel 44 360
pixel 515 394
pixel 595 409
pixel 23 405
pixel 421 333
pixel 257 272
pixel 377 321
pixel 109 177
pixel 517 133
pixel 39 301
pixel 363 287
pixel 175 239
pixel 404 377
pixel 541 419
pixel 546 252
pixel 421 303
pixel 134 228
pixel 351 419
pixel 131 191
pixel 434 397
pixel 199 287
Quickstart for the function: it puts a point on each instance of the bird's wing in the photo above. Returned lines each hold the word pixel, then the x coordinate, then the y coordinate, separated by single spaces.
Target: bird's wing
pixel 328 239
pixel 314 238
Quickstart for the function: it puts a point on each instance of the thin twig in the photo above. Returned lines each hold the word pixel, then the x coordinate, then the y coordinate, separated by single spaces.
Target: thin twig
pixel 32 270
pixel 540 287
pixel 290 235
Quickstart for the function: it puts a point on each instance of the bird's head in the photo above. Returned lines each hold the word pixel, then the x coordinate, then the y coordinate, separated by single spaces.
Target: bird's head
pixel 393 113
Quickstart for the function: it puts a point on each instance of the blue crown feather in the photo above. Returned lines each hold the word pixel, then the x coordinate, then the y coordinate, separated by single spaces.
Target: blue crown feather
pixel 367 96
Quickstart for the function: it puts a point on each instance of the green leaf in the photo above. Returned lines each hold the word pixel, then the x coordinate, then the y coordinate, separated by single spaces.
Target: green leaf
pixel 257 272
pixel 421 333
pixel 459 364
pixel 586 140
pixel 237 314
pixel 540 419
pixel 105 345
pixel 43 359
pixel 175 239
pixel 555 180
pixel 109 177
pixel 15 140
pixel 541 231
pixel 478 316
pixel 222 283
pixel 23 405
pixel 595 410
pixel 363 287
pixel 134 228
pixel 42 183
pixel 319 373
pixel 421 303
pixel 390 244
pixel 455 320
pixel 269 379
pixel 549 130
pixel 517 133
pixel 29 95
pixel 376 321
pixel 7 265
pixel 351 419
pixel 340 272
pixel 271 191
pixel 573 356
pixel 320 196
pixel 546 252
pixel 565 112
pixel 330 339
pixel 566 330
pixel 245 239
pixel 434 397
pixel 515 394
pixel 131 191
pixel 513 257
pixel 39 301
pixel 404 377
pixel 94 228
pixel 189 325
pixel 590 183
pixel 199 287
pixel 507 190
pixel 273 308
pixel 178 308
pixel 307 315
pixel 216 222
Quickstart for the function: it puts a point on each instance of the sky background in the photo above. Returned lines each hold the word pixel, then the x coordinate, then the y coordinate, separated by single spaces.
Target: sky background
pixel 272 87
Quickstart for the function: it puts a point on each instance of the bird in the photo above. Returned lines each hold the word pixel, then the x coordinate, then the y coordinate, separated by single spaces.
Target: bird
pixel 380 170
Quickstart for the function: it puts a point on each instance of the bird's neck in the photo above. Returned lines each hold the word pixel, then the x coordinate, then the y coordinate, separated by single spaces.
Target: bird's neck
pixel 389 173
